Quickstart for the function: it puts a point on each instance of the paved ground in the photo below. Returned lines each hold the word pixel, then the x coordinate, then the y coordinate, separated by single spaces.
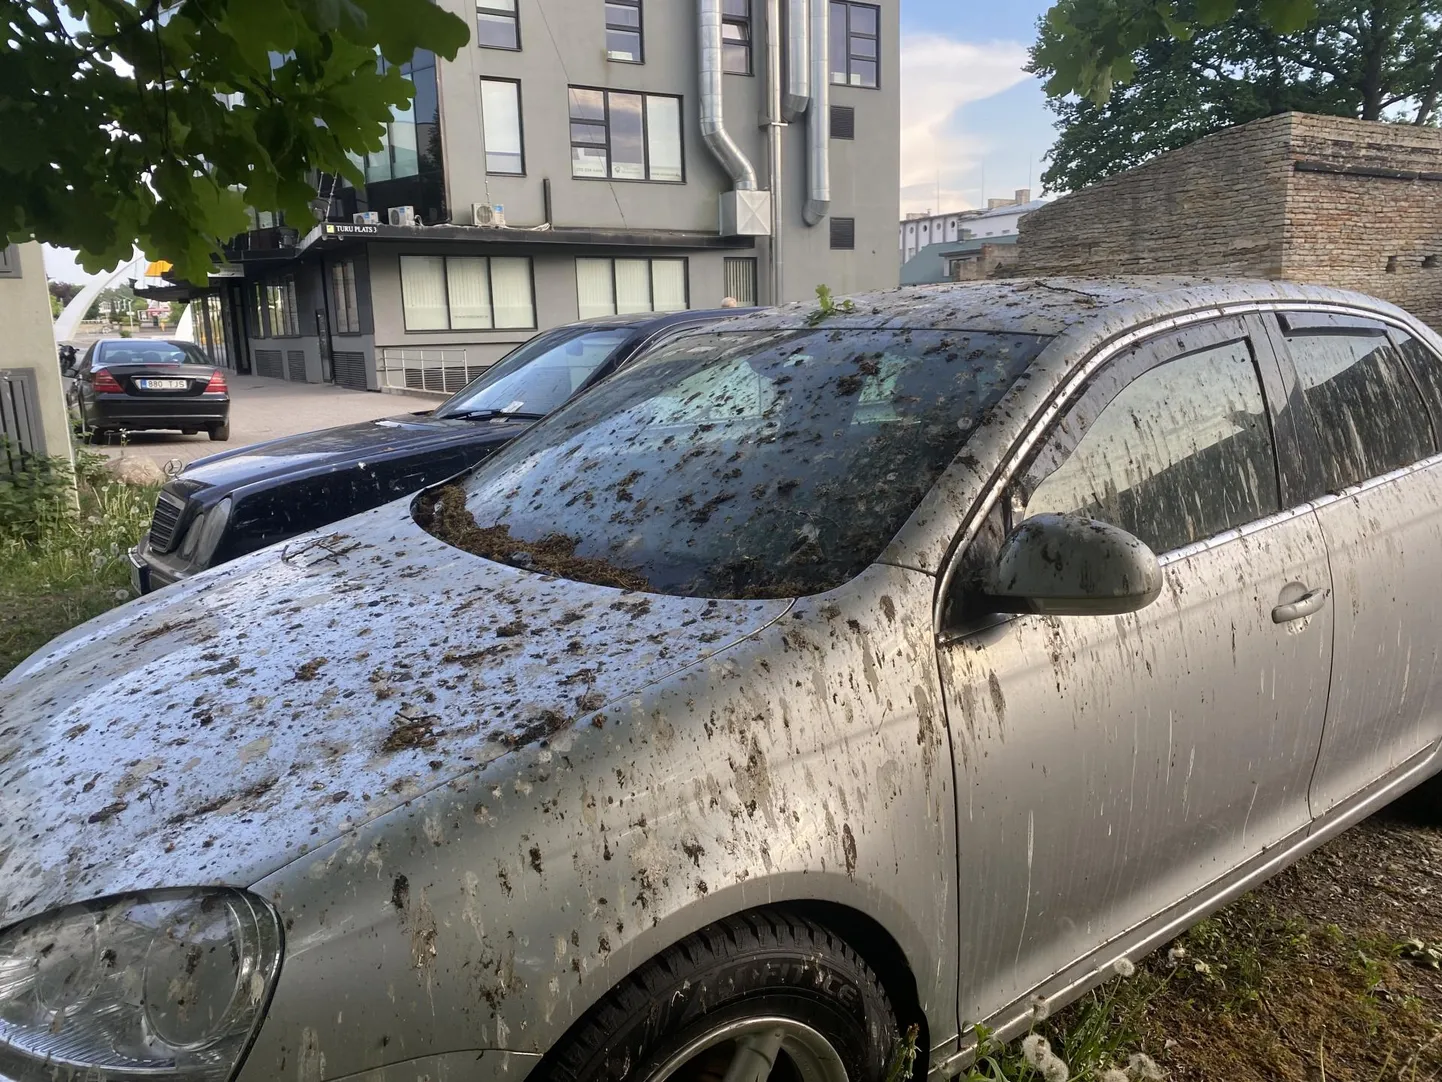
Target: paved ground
pixel 263 409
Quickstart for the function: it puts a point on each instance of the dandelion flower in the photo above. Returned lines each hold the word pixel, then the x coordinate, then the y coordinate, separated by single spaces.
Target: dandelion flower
pixel 1202 968
pixel 122 595
pixel 1113 1074
pixel 1123 967
pixel 1142 1068
pixel 1040 1009
pixel 1036 1050
pixel 1055 1070
pixel 1176 954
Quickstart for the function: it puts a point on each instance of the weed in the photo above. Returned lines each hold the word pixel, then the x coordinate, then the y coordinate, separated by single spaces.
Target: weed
pixel 64 533
pixel 828 306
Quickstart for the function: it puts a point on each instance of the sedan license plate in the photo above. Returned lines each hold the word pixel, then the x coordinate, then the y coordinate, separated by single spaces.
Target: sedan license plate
pixel 164 384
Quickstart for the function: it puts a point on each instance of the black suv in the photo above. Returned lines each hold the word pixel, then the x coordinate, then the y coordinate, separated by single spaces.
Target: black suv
pixel 227 505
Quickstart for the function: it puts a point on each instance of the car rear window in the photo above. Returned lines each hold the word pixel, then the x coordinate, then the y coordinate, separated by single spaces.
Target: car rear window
pixel 737 464
pixel 143 352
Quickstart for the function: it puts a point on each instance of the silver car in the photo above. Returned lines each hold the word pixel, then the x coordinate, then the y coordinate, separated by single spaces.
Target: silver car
pixel 827 674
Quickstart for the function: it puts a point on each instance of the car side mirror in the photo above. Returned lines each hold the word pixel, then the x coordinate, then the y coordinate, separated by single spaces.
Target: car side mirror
pixel 1070 565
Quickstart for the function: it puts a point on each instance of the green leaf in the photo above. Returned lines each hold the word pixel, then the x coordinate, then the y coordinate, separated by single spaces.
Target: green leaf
pixel 402 28
pixel 1289 16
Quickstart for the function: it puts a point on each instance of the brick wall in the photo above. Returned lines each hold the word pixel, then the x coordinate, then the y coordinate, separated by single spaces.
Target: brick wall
pixel 992 261
pixel 1320 199
pixel 1375 228
pixel 1217 205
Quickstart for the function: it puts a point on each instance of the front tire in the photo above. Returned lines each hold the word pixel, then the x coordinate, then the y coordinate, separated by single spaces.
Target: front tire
pixel 765 983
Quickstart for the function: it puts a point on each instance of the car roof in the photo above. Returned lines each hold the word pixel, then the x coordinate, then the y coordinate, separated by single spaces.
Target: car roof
pixel 1046 306
pixel 136 342
pixel 653 320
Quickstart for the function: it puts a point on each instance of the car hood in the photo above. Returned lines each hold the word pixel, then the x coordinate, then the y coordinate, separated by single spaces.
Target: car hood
pixel 226 726
pixel 345 446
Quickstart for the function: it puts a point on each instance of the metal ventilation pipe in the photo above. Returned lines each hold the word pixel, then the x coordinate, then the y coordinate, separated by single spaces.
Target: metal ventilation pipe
pixel 713 125
pixel 798 58
pixel 818 123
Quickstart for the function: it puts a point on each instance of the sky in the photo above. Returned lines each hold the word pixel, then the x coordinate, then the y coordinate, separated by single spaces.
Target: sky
pixel 973 124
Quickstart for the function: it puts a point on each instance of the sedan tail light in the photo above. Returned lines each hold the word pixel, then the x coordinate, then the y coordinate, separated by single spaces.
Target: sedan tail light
pixel 217 383
pixel 105 383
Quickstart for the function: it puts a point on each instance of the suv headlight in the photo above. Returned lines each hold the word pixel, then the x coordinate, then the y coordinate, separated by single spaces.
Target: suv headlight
pixel 166 983
pixel 205 534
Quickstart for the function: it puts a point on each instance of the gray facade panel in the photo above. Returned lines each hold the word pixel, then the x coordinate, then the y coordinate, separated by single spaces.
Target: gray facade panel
pixel 562 47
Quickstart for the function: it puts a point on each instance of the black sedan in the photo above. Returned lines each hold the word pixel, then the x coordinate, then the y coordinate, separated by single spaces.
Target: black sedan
pixel 130 384
pixel 233 503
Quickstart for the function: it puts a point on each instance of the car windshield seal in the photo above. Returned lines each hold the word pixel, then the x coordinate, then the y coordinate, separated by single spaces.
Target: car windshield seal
pixel 739 463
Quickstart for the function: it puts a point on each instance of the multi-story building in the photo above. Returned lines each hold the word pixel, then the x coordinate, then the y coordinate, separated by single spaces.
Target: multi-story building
pixel 999 219
pixel 583 157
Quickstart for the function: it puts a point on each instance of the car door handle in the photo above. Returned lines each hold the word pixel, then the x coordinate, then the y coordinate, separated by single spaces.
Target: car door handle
pixel 1300 609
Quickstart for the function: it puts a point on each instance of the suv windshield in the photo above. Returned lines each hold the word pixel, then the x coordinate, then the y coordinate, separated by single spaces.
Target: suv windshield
pixel 539 376
pixel 736 464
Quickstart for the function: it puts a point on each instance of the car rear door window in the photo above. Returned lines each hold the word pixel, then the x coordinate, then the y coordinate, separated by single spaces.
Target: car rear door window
pixel 1182 452
pixel 1424 365
pixel 1368 415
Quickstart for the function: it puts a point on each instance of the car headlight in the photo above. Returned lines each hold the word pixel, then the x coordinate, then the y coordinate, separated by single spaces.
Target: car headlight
pixel 165 984
pixel 205 533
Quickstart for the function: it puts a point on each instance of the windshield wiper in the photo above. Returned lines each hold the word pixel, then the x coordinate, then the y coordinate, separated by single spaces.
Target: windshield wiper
pixel 491 415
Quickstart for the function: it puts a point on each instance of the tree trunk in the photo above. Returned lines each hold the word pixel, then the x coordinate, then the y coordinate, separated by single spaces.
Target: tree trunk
pixel 1428 102
pixel 1373 46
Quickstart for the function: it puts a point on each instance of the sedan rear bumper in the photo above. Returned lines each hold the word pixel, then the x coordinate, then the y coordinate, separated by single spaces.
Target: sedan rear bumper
pixel 133 411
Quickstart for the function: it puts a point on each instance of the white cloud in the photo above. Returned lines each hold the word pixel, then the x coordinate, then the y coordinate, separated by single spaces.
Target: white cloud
pixel 940 75
pixel 61 265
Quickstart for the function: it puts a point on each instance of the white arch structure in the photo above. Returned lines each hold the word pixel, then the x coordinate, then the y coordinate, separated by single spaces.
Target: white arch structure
pixel 74 312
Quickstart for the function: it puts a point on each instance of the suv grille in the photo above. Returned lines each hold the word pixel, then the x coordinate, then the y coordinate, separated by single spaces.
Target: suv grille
pixel 163 523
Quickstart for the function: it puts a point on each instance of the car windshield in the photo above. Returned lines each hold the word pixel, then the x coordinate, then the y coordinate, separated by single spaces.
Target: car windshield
pixel 737 464
pixel 538 377
pixel 140 352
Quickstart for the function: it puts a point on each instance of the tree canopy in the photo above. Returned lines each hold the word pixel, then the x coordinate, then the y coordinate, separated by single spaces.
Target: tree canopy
pixel 158 122
pixel 1088 45
pixel 1372 59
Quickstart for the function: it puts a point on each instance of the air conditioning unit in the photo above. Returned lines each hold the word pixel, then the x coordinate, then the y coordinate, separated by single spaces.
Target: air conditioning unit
pixel 486 214
pixel 402 215
pixel 366 217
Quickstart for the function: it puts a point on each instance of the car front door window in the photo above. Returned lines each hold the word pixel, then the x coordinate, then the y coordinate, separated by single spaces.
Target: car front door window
pixel 1184 452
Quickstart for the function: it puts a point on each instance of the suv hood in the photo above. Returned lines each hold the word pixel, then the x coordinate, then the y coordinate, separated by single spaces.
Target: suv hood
pixel 344 447
pixel 223 728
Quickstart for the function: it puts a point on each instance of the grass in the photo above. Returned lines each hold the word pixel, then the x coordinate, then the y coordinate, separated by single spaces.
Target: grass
pixel 1264 991
pixel 63 539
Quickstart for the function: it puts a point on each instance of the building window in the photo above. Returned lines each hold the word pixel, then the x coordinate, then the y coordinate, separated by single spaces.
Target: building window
pixel 608 287
pixel 343 299
pixel 501 121
pixel 736 36
pixel 497 24
pixel 622 136
pixel 408 138
pixel 257 311
pixel 843 233
pixel 623 31
pixel 467 293
pixel 279 313
pixel 740 275
pixel 855 34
